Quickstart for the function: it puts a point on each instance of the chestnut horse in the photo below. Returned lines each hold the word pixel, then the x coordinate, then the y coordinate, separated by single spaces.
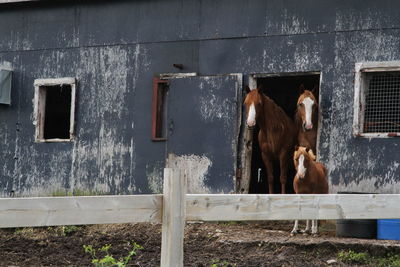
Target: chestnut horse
pixel 306 119
pixel 310 178
pixel 277 134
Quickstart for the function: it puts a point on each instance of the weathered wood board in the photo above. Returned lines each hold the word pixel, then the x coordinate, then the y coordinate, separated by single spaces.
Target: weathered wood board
pixel 47 211
pixel 289 207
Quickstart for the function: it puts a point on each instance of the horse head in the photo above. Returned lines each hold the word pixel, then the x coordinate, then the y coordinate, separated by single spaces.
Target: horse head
pixel 307 107
pixel 302 158
pixel 254 103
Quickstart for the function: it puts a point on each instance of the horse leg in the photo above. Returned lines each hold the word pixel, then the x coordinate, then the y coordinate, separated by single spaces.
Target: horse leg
pixel 307 230
pixel 295 228
pixel 270 174
pixel 314 227
pixel 283 164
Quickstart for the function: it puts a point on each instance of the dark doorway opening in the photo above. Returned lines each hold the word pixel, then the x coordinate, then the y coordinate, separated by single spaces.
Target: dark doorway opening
pixel 57 112
pixel 284 90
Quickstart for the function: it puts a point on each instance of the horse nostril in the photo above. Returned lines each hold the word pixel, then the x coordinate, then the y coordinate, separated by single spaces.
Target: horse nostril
pixel 307 126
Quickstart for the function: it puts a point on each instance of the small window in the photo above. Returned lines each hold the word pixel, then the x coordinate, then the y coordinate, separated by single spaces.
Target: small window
pixel 160 88
pixel 54 109
pixel 377 99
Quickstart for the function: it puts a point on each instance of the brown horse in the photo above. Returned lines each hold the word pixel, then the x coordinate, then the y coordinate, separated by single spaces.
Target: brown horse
pixel 306 119
pixel 310 178
pixel 277 134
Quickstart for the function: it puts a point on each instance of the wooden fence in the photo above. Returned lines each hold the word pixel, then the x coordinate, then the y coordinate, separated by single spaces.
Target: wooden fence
pixel 175 207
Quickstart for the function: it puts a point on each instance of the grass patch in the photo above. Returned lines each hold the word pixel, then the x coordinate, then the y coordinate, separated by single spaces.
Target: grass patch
pixel 352 257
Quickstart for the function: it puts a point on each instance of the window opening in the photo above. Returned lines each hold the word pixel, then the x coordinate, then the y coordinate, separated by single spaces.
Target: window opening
pixel 57 111
pixel 160 89
pixel 382 98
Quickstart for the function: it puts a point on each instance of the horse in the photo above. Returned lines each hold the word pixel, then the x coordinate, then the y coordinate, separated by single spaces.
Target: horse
pixel 306 118
pixel 310 178
pixel 277 133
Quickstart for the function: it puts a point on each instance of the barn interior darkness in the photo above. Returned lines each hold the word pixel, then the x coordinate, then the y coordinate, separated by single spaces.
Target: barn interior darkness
pixel 57 112
pixel 284 90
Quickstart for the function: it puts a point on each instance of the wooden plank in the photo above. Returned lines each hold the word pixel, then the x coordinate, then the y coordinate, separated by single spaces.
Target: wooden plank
pixel 238 207
pixel 244 186
pixel 173 218
pixel 48 211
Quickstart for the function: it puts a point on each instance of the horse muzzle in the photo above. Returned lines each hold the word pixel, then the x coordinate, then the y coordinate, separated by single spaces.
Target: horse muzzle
pixel 307 127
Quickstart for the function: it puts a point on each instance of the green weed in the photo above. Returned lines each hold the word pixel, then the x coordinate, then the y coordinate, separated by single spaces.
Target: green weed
pixel 352 257
pixel 108 260
pixel 219 263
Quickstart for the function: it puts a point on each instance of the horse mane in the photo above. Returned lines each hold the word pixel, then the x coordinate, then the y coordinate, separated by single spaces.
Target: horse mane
pixel 306 152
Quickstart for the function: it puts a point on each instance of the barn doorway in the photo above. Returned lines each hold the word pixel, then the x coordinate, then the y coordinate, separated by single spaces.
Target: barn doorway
pixel 284 90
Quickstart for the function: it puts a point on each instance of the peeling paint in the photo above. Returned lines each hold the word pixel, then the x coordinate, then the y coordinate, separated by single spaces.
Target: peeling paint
pixel 196 167
pixel 154 174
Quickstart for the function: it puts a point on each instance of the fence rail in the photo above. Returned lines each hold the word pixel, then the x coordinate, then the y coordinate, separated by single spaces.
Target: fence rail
pixel 174 207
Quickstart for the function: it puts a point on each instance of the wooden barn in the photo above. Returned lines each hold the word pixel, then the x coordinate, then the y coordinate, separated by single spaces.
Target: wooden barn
pixel 97 97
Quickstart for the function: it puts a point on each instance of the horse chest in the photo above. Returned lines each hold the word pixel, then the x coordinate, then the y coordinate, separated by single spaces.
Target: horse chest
pixel 303 186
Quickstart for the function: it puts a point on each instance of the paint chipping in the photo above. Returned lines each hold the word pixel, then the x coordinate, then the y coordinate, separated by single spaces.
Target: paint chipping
pixel 154 174
pixel 197 168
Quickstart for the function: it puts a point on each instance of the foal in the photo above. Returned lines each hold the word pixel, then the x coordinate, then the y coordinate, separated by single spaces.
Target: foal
pixel 277 134
pixel 310 178
pixel 306 119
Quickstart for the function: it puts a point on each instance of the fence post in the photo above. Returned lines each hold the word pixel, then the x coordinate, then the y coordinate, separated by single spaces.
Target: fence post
pixel 173 219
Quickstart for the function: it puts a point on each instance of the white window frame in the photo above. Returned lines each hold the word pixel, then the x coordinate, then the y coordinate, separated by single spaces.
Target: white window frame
pixel 39 107
pixel 359 94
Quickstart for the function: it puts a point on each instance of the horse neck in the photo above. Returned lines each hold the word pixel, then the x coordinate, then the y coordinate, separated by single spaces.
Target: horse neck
pixel 269 110
pixel 311 168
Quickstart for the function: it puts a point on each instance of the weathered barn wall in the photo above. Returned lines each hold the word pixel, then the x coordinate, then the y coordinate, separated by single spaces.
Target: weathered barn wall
pixel 114 48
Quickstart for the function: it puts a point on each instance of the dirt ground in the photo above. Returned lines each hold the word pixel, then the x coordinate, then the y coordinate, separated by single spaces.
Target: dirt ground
pixel 206 244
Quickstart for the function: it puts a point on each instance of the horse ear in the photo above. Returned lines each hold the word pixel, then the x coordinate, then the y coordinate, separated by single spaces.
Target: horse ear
pixel 247 89
pixel 301 88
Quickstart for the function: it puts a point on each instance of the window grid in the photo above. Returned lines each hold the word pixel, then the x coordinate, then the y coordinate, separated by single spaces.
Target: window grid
pixel 382 102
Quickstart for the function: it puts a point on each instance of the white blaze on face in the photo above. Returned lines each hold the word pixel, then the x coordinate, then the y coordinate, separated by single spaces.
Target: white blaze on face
pixel 308 103
pixel 251 117
pixel 301 170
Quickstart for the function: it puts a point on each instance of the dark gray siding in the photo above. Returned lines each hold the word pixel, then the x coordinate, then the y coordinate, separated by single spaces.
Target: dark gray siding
pixel 114 48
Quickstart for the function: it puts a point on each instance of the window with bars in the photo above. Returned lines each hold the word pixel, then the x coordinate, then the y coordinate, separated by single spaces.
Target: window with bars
pixel 377 99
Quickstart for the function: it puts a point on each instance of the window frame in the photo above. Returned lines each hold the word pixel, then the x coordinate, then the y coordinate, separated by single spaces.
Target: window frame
pixel 155 123
pixel 359 95
pixel 40 105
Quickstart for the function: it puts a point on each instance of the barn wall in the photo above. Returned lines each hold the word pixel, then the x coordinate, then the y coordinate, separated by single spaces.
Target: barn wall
pixel 114 48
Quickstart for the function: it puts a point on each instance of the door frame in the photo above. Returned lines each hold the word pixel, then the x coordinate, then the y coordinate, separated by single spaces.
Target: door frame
pixel 247 143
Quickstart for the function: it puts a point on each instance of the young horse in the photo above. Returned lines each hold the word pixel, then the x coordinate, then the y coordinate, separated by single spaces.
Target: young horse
pixel 277 133
pixel 310 179
pixel 306 119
